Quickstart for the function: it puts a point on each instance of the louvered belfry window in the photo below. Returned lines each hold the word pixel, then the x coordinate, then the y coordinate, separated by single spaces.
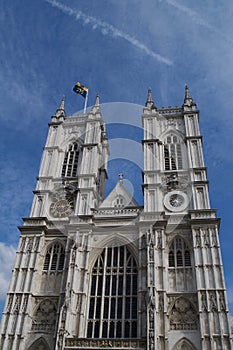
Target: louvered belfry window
pixel 179 254
pixel 54 258
pixel 70 164
pixel 113 295
pixel 172 153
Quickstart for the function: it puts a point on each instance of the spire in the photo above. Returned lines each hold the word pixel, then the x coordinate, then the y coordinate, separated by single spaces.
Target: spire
pixel 188 101
pixel 149 102
pixel 187 92
pixel 96 107
pixel 61 109
pixel 97 101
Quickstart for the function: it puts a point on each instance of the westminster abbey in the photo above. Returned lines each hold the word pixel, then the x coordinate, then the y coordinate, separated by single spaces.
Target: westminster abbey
pixel 96 272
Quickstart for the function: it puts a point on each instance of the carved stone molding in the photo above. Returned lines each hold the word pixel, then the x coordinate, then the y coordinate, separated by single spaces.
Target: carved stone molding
pixel 183 315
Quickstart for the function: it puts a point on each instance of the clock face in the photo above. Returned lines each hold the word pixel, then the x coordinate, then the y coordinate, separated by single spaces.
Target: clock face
pixel 61 208
pixel 176 201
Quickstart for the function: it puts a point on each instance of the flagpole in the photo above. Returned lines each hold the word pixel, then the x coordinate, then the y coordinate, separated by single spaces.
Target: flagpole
pixel 85 104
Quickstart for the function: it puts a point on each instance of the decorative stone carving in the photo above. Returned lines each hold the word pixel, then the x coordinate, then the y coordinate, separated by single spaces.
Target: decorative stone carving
pixel 73 253
pixel 10 301
pixel 214 239
pixel 25 303
pixel 206 239
pixel 17 303
pixel 161 303
pixel 23 242
pixel 213 302
pixel 29 244
pixel 172 182
pixel 44 318
pixel 198 240
pixel 60 339
pixel 222 303
pixel 151 312
pixel 159 240
pixel 183 316
pixel 204 306
pixel 63 316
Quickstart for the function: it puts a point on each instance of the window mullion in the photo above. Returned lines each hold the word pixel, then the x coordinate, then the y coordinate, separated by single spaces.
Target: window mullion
pixel 124 293
pixel 117 288
pixel 68 162
pixel 131 300
pixel 95 298
pixel 110 291
pixel 103 294
pixel 170 157
pixel 51 258
pixel 176 157
pixel 58 257
pixel 73 160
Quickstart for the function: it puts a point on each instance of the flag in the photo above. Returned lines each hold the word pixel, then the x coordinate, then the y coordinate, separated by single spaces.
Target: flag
pixel 80 89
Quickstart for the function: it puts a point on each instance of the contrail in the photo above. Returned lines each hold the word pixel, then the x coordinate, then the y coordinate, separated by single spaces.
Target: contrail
pixel 195 16
pixel 198 20
pixel 107 29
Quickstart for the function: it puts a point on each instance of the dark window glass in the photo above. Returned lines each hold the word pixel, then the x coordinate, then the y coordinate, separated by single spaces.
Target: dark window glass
pixel 113 307
pixel 172 154
pixel 171 259
pixel 46 262
pixel 118 300
pixel 105 330
pixel 127 333
pixel 70 163
pixel 179 254
pixel 97 329
pixel 89 330
pixel 91 308
pixel 106 307
pixel 179 258
pixel 187 258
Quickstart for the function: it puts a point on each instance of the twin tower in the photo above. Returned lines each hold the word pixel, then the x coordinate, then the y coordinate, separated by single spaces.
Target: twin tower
pixel 95 273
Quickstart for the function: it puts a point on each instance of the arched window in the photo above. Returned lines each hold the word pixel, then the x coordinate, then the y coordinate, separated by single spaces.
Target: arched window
pixel 113 295
pixel 179 254
pixel 70 164
pixel 172 153
pixel 54 258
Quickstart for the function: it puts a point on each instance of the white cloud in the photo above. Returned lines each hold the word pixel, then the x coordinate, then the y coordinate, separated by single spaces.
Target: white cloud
pixel 7 258
pixel 108 29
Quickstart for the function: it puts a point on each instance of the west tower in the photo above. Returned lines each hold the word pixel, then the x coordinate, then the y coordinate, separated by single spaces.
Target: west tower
pixel 93 273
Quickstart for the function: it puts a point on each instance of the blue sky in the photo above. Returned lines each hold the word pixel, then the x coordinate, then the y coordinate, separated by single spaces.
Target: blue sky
pixel 118 49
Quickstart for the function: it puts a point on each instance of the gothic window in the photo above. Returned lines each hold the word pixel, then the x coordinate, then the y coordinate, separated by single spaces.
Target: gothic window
pixel 54 258
pixel 70 164
pixel 179 254
pixel 113 295
pixel 172 153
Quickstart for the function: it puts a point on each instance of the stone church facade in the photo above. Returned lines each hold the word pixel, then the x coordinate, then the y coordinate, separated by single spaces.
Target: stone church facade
pixel 95 273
